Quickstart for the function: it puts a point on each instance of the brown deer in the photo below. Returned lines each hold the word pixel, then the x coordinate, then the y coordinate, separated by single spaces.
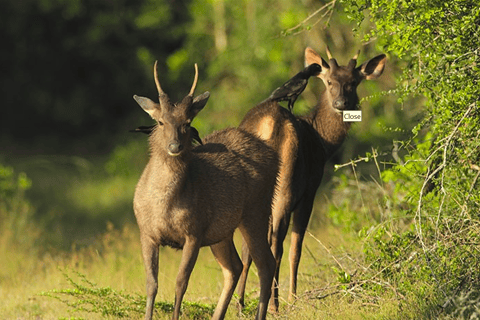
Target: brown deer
pixel 189 197
pixel 304 145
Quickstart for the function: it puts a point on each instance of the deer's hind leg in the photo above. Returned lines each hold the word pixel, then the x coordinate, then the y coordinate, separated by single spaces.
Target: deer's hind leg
pixel 247 262
pixel 227 256
pixel 255 234
pixel 280 226
pixel 301 217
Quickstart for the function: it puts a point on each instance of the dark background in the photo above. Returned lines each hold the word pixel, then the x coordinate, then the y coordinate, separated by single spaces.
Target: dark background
pixel 69 69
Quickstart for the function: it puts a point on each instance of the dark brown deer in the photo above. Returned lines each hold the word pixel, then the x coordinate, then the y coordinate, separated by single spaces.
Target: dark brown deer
pixel 304 144
pixel 189 197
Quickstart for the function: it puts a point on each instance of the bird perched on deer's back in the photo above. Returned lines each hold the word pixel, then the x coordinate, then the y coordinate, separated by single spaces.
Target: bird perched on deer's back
pixel 291 89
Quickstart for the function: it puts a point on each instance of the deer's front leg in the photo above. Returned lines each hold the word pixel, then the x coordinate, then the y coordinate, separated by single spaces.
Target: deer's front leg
pixel 150 259
pixel 189 257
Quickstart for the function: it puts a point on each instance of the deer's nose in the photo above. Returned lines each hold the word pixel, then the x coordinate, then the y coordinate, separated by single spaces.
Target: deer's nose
pixel 175 148
pixel 340 104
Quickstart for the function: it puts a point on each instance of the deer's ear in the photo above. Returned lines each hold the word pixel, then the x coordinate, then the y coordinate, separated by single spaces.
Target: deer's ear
pixel 199 103
pixel 147 105
pixel 312 57
pixel 373 68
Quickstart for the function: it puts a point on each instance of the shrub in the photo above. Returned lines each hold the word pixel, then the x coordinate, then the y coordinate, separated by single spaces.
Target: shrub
pixel 439 172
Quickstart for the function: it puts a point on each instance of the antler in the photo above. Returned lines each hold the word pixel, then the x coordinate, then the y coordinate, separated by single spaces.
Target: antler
pixel 353 62
pixel 157 82
pixel 329 54
pixel 333 62
pixel 192 90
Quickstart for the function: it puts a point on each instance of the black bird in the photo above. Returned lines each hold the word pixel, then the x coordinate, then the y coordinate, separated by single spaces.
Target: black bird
pixel 291 89
pixel 143 129
pixel 149 129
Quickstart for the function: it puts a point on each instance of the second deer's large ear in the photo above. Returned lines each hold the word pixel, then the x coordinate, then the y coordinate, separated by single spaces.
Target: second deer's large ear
pixel 373 68
pixel 199 103
pixel 312 57
pixel 147 105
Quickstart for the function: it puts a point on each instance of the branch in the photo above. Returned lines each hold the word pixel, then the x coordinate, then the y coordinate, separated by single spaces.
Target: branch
pixel 418 216
pixel 328 6
pixel 329 252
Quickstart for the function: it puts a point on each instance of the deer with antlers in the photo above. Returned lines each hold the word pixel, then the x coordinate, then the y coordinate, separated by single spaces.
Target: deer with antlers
pixel 190 197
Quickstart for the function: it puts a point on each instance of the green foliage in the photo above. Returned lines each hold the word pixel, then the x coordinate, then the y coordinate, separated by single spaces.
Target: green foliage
pixel 86 296
pixel 15 209
pixel 12 187
pixel 250 308
pixel 90 298
pixel 342 276
pixel 408 177
pixel 438 175
pixel 344 213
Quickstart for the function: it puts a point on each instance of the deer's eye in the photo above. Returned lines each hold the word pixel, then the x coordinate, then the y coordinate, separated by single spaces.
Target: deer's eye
pixel 329 82
pixel 160 123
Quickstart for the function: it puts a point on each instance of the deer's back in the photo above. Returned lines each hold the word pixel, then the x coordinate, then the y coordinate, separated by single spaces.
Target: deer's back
pixel 246 153
pixel 260 165
pixel 297 143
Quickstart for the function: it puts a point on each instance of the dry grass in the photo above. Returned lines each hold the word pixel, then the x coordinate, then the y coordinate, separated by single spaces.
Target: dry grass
pixel 114 262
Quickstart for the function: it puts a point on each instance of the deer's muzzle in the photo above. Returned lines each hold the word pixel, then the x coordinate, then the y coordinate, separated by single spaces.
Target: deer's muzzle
pixel 175 148
pixel 340 104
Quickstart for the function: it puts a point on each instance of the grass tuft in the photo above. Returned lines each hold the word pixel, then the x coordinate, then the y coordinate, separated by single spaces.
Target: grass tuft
pixel 86 296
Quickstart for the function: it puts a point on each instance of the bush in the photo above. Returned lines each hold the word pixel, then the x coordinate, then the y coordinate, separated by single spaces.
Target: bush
pixel 439 171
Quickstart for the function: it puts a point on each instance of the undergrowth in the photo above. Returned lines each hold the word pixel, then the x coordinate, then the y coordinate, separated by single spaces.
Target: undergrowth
pixel 84 295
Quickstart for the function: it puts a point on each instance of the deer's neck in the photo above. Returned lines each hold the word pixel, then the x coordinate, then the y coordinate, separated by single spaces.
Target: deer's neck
pixel 329 125
pixel 166 180
pixel 170 171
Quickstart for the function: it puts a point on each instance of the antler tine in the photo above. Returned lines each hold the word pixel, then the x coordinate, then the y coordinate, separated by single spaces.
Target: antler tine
pixel 353 62
pixel 157 82
pixel 192 90
pixel 332 61
pixel 329 54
